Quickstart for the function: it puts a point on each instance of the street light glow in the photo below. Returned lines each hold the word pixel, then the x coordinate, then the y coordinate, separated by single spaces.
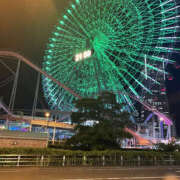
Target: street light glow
pixel 47 114
pixel 161 119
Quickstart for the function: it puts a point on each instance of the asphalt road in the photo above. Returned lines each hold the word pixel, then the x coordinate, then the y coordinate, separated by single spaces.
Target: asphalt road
pixel 88 173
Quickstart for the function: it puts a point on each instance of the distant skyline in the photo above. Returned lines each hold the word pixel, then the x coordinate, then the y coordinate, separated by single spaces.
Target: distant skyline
pixel 26 26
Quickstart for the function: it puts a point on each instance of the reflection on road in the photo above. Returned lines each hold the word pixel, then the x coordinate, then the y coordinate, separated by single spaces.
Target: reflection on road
pixel 91 173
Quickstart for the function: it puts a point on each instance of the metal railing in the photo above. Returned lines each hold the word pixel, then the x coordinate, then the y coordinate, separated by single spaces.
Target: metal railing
pixel 79 160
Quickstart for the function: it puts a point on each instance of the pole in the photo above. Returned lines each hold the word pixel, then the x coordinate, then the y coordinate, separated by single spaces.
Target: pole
pixel 13 93
pixel 54 133
pixel 36 96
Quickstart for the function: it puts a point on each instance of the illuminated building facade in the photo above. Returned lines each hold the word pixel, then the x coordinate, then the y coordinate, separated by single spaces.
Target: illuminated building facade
pixel 151 125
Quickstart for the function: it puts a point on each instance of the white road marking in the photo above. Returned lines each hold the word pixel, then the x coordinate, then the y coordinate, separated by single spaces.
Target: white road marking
pixel 124 169
pixel 122 178
pixel 8 171
pixel 116 169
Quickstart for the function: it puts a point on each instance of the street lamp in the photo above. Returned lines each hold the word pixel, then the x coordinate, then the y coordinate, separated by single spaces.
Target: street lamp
pixel 161 119
pixel 47 115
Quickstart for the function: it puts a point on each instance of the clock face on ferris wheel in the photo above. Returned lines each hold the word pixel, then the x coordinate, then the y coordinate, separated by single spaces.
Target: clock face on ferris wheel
pixel 108 45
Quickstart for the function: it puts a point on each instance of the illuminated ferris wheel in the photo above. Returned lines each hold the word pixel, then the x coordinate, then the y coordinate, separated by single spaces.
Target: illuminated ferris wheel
pixel 105 45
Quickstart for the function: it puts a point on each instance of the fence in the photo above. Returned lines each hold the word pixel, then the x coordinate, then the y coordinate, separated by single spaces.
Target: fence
pixel 88 160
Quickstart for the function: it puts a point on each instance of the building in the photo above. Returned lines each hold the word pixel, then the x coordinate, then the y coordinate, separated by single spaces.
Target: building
pixel 14 139
pixel 149 124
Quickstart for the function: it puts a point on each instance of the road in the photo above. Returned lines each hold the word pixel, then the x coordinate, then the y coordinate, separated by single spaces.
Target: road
pixel 88 173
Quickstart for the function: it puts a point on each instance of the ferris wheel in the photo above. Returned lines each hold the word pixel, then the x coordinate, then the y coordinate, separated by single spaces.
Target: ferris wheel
pixel 104 45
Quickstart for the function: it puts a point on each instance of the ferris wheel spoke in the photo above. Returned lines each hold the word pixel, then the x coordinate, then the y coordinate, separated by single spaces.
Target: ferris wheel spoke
pixel 152 58
pixel 151 67
pixel 135 69
pixel 67 33
pixel 140 84
pixel 77 26
pixel 75 31
pixel 121 76
pixel 144 75
pixel 68 39
pixel 111 81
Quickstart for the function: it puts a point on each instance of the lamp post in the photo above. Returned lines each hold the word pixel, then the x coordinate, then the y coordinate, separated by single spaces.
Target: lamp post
pixel 47 115
pixel 54 132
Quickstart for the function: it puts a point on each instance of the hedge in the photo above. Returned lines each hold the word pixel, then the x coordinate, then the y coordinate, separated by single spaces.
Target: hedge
pixel 146 155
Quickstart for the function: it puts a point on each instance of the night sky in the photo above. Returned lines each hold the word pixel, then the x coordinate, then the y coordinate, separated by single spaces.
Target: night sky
pixel 25 28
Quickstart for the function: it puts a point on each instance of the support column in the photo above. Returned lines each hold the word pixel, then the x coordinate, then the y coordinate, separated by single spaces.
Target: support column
pixel 169 132
pixel 13 93
pixel 54 134
pixel 154 128
pixel 161 129
pixel 36 96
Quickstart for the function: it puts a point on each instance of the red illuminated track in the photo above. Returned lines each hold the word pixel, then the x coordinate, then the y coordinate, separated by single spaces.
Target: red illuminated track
pixel 5 108
pixel 154 110
pixel 140 140
pixel 29 63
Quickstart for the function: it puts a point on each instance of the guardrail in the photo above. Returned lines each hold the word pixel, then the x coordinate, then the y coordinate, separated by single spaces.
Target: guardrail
pixel 47 161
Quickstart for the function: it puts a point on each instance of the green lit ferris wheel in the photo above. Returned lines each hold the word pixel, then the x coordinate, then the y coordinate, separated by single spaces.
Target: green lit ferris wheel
pixel 108 45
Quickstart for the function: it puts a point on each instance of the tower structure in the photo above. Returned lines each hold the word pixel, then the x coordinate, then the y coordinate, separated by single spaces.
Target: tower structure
pixel 149 124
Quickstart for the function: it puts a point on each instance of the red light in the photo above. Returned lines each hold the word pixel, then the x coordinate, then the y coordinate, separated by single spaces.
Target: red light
pixel 163 90
pixel 177 66
pixel 170 78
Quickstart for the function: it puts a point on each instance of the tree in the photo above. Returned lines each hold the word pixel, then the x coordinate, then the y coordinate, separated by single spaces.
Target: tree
pixel 99 123
pixel 170 147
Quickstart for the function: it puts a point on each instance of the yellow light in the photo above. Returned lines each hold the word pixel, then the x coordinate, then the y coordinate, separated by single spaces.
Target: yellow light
pixel 47 114
pixel 161 119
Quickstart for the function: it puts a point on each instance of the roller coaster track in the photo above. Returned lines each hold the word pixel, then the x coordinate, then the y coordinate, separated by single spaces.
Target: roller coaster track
pixel 5 108
pixel 36 68
pixel 161 116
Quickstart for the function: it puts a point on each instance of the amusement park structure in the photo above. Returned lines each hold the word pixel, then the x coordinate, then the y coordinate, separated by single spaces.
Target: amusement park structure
pixel 55 123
